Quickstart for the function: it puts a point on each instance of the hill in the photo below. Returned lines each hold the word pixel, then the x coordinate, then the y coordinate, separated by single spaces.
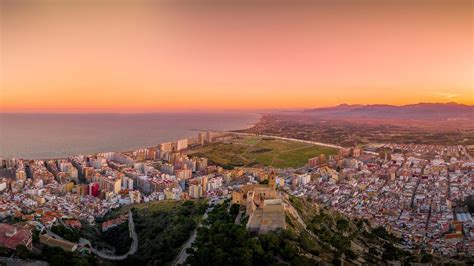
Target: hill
pixel 422 111
pixel 162 228
pixel 313 236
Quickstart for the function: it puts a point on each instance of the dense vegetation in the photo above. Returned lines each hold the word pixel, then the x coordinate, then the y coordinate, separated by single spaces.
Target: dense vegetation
pixel 163 227
pixel 118 237
pixel 58 257
pixel 53 255
pixel 70 234
pixel 222 242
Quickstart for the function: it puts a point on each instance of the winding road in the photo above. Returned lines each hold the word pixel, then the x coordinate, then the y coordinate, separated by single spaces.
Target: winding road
pixel 133 246
pixel 131 251
pixel 183 254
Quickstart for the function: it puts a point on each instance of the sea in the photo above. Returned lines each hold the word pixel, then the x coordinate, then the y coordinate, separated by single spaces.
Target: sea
pixel 47 136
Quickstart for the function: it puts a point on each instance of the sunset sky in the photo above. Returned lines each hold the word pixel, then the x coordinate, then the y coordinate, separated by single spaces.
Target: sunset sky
pixel 148 56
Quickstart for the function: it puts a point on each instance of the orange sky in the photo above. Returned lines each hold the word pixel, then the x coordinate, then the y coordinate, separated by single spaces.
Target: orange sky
pixel 79 57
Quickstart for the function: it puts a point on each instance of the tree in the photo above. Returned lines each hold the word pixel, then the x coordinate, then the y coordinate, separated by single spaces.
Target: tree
pixel 470 203
pixel 234 210
pixel 381 232
pixel 427 258
pixel 72 235
pixel 35 236
pixel 374 251
pixel 342 224
pixel 188 203
pixel 391 252
pixel 23 252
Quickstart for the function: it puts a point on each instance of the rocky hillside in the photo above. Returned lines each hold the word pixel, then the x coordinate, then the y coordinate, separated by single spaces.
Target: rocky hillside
pixel 314 236
pixel 331 237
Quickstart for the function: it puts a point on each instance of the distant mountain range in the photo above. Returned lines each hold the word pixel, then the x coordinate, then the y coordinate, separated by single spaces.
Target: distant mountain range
pixel 424 111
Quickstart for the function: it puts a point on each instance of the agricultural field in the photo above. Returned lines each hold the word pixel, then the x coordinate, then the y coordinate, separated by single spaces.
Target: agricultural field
pixel 259 151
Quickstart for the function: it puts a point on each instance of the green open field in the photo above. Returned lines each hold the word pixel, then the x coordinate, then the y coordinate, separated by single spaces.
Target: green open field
pixel 259 151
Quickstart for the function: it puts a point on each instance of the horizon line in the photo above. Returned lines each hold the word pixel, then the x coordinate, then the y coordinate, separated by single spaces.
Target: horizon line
pixel 213 110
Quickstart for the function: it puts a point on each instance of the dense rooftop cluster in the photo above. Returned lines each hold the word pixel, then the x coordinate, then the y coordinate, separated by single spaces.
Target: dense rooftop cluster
pixel 416 197
pixel 416 192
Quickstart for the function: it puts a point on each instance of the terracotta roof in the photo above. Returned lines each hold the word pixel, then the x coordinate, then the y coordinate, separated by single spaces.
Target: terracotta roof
pixel 452 236
pixel 12 236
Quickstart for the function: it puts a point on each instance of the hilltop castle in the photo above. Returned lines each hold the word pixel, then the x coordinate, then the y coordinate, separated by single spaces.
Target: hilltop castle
pixel 263 205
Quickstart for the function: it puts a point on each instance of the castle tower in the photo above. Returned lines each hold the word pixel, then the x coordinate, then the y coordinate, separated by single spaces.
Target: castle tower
pixel 272 180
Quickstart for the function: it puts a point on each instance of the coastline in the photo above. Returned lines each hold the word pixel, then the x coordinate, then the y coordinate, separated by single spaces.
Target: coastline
pixel 243 130
pixel 189 137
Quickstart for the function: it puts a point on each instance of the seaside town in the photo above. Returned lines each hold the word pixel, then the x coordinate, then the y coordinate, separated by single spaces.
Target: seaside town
pixel 414 191
pixel 247 133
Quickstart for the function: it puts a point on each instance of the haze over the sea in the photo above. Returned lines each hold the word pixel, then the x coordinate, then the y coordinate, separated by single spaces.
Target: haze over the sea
pixel 42 136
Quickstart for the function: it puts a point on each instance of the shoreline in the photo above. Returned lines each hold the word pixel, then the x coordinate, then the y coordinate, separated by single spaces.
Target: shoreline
pixel 136 148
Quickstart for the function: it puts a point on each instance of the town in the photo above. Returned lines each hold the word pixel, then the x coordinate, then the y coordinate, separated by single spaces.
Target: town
pixel 416 192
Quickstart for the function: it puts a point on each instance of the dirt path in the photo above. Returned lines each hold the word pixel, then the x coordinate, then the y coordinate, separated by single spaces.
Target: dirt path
pixel 300 148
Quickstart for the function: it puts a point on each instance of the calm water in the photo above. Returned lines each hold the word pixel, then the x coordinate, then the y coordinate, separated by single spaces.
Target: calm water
pixel 36 136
